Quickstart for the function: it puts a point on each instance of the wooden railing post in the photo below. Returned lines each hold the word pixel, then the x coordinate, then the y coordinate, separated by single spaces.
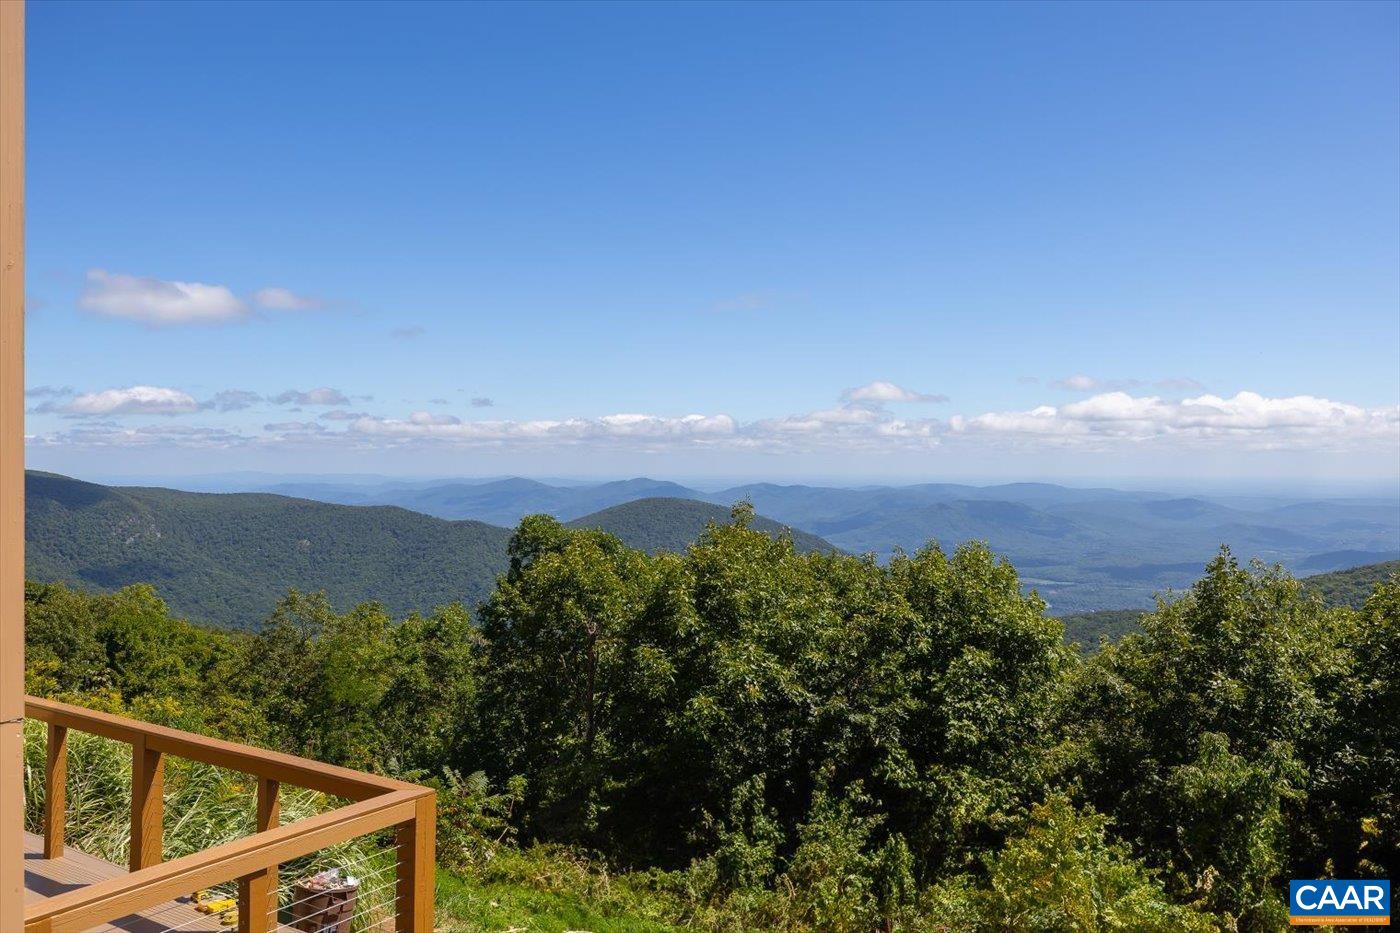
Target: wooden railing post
pixel 147 804
pixel 11 465
pixel 257 892
pixel 417 872
pixel 55 790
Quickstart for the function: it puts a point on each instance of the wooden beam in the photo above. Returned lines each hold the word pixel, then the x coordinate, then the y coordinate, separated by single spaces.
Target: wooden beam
pixel 288 769
pixel 11 463
pixel 257 892
pixel 55 790
pixel 417 873
pixel 147 805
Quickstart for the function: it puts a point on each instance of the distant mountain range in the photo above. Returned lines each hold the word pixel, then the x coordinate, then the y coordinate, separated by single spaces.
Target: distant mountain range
pixel 1082 549
pixel 226 558
pixel 500 502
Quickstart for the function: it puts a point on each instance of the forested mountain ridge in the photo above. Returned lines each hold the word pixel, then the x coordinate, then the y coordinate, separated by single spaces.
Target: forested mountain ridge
pixel 226 558
pixel 1340 588
pixel 1351 587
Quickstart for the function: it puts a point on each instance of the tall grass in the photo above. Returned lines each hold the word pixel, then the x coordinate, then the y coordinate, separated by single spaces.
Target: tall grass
pixel 205 806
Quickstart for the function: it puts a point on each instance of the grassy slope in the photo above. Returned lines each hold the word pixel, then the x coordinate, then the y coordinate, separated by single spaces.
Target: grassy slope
pixel 665 524
pixel 464 905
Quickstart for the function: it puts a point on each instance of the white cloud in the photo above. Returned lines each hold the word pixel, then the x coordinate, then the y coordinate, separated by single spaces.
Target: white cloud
pixel 1180 384
pixel 133 400
pixel 1077 383
pixel 232 400
pixel 322 396
pixel 98 436
pixel 424 417
pixel 481 401
pixel 423 425
pixel 341 414
pixel 48 392
pixel 156 301
pixel 880 392
pixel 294 427
pixel 283 299
pixel 1082 383
pixel 829 420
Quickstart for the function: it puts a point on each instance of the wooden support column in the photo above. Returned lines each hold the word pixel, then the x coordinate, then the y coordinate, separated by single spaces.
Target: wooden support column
pixel 55 790
pixel 11 464
pixel 417 875
pixel 257 892
pixel 147 805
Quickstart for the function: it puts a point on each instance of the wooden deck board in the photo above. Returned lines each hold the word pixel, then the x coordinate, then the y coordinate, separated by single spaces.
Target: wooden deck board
pixel 47 877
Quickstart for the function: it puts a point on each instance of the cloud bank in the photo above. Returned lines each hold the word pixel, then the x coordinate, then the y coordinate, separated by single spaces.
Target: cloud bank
pixel 860 422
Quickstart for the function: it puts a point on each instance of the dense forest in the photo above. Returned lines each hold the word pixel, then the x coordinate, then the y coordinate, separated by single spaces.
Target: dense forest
pixel 745 736
pixel 1351 587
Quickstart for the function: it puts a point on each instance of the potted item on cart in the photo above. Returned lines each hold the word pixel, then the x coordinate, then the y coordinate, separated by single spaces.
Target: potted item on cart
pixel 325 902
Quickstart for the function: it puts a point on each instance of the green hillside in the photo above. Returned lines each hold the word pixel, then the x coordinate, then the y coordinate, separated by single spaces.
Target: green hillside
pixel 227 558
pixel 1339 588
pixel 665 524
pixel 1351 587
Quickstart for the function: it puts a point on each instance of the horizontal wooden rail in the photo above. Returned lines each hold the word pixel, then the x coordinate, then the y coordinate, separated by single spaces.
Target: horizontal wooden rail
pixel 287 769
pixel 379 803
pixel 116 897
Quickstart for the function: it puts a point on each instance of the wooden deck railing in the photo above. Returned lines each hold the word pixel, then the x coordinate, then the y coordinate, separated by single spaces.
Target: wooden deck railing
pixel 377 803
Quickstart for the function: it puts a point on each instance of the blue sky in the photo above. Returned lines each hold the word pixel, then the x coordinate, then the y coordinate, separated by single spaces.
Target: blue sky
pixel 863 241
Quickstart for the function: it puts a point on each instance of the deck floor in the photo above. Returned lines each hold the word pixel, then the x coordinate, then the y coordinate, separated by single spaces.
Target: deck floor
pixel 48 877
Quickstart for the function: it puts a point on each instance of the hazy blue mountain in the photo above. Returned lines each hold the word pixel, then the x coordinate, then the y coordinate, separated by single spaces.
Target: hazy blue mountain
pixel 500 502
pixel 1342 560
pixel 656 524
pixel 1081 548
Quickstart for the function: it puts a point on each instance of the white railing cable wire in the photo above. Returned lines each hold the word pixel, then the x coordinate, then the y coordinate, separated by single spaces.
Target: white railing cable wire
pixel 376 898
